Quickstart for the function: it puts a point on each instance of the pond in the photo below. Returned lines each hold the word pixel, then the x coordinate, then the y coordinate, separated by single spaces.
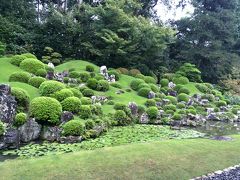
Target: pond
pixel 219 128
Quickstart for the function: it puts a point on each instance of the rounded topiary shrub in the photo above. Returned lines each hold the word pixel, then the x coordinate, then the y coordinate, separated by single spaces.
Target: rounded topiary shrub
pixel 50 87
pixel 143 85
pixel 150 102
pixel 135 83
pixel 71 104
pixel 154 88
pixel 141 109
pixel 115 73
pixel 178 87
pixel 20 77
pixel 221 103
pixel 152 113
pixel 31 65
pixel 123 71
pixel 144 92
pixel 88 92
pixel 2 128
pixel 164 82
pixel 103 85
pixel 76 92
pixel 177 117
pixel 85 112
pixel 140 76
pixel 89 124
pixel 183 97
pixel 150 79
pixel 17 59
pixel 41 72
pixel 90 68
pixel 134 72
pixel 74 74
pixel 181 80
pixel 203 88
pixel 29 55
pixel 172 99
pixel 96 109
pixel 73 128
pixel 180 106
pixel 36 81
pixel 92 83
pixel 120 106
pixel 184 90
pixel 46 110
pixel 84 76
pixel 22 98
pixel 63 94
pixel 99 77
pixel 170 107
pixel 20 119
pixel 86 101
pixel 116 85
pixel 120 116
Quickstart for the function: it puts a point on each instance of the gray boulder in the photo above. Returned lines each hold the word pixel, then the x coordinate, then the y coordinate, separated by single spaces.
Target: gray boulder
pixel 71 139
pixel 10 140
pixel 51 133
pixel 144 119
pixel 66 116
pixel 30 131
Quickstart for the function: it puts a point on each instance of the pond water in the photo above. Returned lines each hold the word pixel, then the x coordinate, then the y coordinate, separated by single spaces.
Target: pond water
pixel 219 128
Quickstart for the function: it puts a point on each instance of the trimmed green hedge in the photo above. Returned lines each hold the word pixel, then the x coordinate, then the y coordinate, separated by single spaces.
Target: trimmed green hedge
pixel 73 128
pixel 31 65
pixel 20 77
pixel 50 87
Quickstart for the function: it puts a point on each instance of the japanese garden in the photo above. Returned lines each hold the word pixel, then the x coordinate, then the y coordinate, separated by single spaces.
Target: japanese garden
pixel 105 89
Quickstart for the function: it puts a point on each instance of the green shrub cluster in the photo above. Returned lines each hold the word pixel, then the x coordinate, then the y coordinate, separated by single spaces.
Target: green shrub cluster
pixel 103 85
pixel 154 88
pixel 121 117
pixel 88 92
pixel 63 94
pixel 71 104
pixel 113 72
pixel 86 101
pixel 170 107
pixel 164 82
pixel 17 59
pixel 31 65
pixel 221 103
pixel 120 106
pixel 36 81
pixel 41 72
pixel 22 98
pixel 20 119
pixel 134 72
pixel 85 112
pixel 74 74
pixel 184 90
pixel 116 85
pixel 144 92
pixel 150 79
pixel 203 88
pixel 150 102
pixel 29 55
pixel 89 124
pixel 92 83
pixel 96 109
pixel 20 77
pixel 172 99
pixel 191 72
pixel 46 110
pixel 123 71
pixel 84 76
pixel 76 92
pixel 2 128
pixel 73 128
pixel 152 113
pixel 50 87
pixel 135 83
pixel 177 116
pixel 90 68
pixel 181 80
pixel 183 97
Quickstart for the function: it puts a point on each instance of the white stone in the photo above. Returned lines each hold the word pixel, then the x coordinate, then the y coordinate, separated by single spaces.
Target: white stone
pixel 51 65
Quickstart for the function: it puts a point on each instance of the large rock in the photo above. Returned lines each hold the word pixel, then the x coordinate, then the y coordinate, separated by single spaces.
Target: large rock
pixel 8 104
pixel 66 116
pixel 51 133
pixel 10 140
pixel 30 131
pixel 71 139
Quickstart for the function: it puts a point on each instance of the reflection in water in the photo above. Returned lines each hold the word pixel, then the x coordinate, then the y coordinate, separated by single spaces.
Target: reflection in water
pixel 217 128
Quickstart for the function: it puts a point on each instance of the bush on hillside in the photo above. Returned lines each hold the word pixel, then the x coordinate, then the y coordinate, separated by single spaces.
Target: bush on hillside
pixel 17 59
pixel 92 83
pixel 36 81
pixel 63 94
pixel 149 79
pixel 22 98
pixel 164 82
pixel 120 106
pixel 31 65
pixel 134 72
pixel 135 83
pixel 115 73
pixel 169 76
pixel 86 101
pixel 46 110
pixel 71 104
pixel 221 103
pixel 89 124
pixel 140 76
pixel 121 117
pixel 73 128
pixel 123 71
pixel 181 80
pixel 177 117
pixel 154 88
pixel 96 109
pixel 143 85
pixel 144 92
pixel 103 85
pixel 88 92
pixel 85 112
pixel 116 85
pixel 150 102
pixel 41 72
pixel 74 74
pixel 170 107
pixel 183 97
pixel 203 88
pixel 184 90
pixel 76 92
pixel 172 99
pixel 50 87
pixel 152 113
pixel 29 55
pixel 90 68
pixel 191 72
pixel 20 119
pixel 2 128
pixel 20 77
pixel 180 106
pixel 84 76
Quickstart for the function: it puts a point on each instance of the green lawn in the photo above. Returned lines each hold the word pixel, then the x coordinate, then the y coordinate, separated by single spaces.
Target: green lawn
pixel 78 65
pixel 170 160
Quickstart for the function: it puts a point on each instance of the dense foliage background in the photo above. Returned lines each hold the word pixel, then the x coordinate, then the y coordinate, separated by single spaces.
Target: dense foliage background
pixel 126 33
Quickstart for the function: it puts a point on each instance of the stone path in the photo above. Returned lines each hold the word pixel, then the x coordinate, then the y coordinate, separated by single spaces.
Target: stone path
pixel 231 173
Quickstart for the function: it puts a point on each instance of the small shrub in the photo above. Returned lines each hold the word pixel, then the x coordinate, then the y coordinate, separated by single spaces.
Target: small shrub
pixel 154 88
pixel 123 71
pixel 71 104
pixel 180 106
pixel 31 65
pixel 203 88
pixel 143 85
pixel 46 110
pixel 140 76
pixel 183 97
pixel 2 128
pixel 88 92
pixel 192 111
pixel 121 117
pixel 141 109
pixel 177 116
pixel 135 83
pixel 172 99
pixel 184 90
pixel 116 85
pixel 92 83
pixel 113 72
pixel 165 120
pixel 178 87
pixel 96 109
pixel 73 128
pixel 134 72
pixel 169 76
pixel 90 68
pixel 99 77
pixel 209 97
pixel 170 107
pixel 144 92
pixel 17 59
pixel 63 94
pixel 50 87
pixel 171 112
pixel 103 85
pixel 29 55
pixel 152 113
pixel 20 77
pixel 20 119
pixel 36 81
pixel 76 92
pixel 149 79
pixel 150 102
pixel 22 98
pixel 84 76
pixel 111 102
pixel 164 82
pixel 181 80
pixel 85 112
pixel 221 103
pixel 74 74
pixel 89 124
pixel 120 106
pixel 86 101
pixel 41 72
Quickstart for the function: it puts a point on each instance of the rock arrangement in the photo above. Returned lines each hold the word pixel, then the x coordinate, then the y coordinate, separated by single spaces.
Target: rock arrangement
pixel 104 72
pixel 231 173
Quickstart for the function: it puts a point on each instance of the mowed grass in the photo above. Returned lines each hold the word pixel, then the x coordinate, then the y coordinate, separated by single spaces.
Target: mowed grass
pixel 165 160
pixel 78 65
